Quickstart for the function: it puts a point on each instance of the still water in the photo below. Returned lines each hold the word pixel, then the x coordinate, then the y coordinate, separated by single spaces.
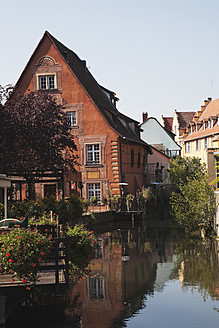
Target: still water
pixel 147 277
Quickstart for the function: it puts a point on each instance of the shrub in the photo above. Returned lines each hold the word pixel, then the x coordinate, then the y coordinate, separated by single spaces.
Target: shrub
pixel 45 219
pixel 18 210
pixel 82 249
pixel 85 204
pixel 22 252
pixel 70 210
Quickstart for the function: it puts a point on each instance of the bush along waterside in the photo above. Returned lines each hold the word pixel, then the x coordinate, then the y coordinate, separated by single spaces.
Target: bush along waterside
pixel 22 252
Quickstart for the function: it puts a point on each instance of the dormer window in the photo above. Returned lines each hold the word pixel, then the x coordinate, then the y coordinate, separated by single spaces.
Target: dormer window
pixel 191 129
pixel 46 82
pixel 209 124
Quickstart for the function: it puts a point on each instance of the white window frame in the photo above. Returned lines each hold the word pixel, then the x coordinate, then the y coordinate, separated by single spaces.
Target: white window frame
pixel 72 118
pixel 94 190
pixel 93 155
pixel 197 145
pixel 188 147
pixel 47 76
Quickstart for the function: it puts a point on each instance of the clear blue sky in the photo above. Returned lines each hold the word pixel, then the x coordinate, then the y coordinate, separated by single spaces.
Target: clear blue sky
pixel 157 55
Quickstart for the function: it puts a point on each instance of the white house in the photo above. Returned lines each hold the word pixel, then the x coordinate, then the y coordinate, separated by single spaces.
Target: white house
pixel 159 137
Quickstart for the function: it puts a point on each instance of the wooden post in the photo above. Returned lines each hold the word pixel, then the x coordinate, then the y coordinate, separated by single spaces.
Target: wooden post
pixel 57 261
pixel 2 311
pixel 5 201
pixel 66 263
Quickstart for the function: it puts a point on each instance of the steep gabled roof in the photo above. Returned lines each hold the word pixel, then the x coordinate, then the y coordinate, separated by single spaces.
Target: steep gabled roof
pixel 79 68
pixel 184 118
pixel 211 110
pixel 94 90
pixel 168 122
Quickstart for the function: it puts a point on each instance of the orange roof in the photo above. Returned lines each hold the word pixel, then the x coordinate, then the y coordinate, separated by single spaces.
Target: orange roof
pixel 212 109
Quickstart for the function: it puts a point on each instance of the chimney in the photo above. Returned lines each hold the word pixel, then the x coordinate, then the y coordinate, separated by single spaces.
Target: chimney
pixel 144 116
pixel 209 99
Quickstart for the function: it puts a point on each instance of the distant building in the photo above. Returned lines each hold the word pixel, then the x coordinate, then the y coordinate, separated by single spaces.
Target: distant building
pixel 177 124
pixel 159 137
pixel 201 138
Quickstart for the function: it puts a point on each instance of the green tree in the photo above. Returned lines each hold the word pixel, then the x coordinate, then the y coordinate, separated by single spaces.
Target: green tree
pixel 183 169
pixel 194 205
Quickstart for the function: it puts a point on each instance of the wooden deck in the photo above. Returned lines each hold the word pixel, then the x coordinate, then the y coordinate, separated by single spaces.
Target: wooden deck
pixel 53 277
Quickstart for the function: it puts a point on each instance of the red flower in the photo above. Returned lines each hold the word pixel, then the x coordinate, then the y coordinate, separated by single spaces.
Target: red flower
pixel 50 237
pixel 46 229
pixel 10 261
pixel 40 259
pixel 90 256
pixel 91 232
pixel 34 264
pixel 18 237
pixel 27 288
pixel 42 253
pixel 8 254
pixel 11 281
pixel 24 280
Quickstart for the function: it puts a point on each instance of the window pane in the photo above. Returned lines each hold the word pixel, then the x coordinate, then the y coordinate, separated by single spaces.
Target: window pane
pixel 93 154
pixel 42 82
pixel 51 82
pixel 71 117
pixel 93 189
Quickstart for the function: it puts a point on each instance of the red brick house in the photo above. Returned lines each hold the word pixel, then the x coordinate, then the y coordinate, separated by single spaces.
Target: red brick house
pixel 109 146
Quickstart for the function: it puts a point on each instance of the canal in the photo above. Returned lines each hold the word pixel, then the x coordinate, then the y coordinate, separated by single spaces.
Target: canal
pixel 146 277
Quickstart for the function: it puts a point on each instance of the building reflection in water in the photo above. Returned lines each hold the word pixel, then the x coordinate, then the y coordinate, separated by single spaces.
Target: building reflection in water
pixel 129 267
pixel 123 274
